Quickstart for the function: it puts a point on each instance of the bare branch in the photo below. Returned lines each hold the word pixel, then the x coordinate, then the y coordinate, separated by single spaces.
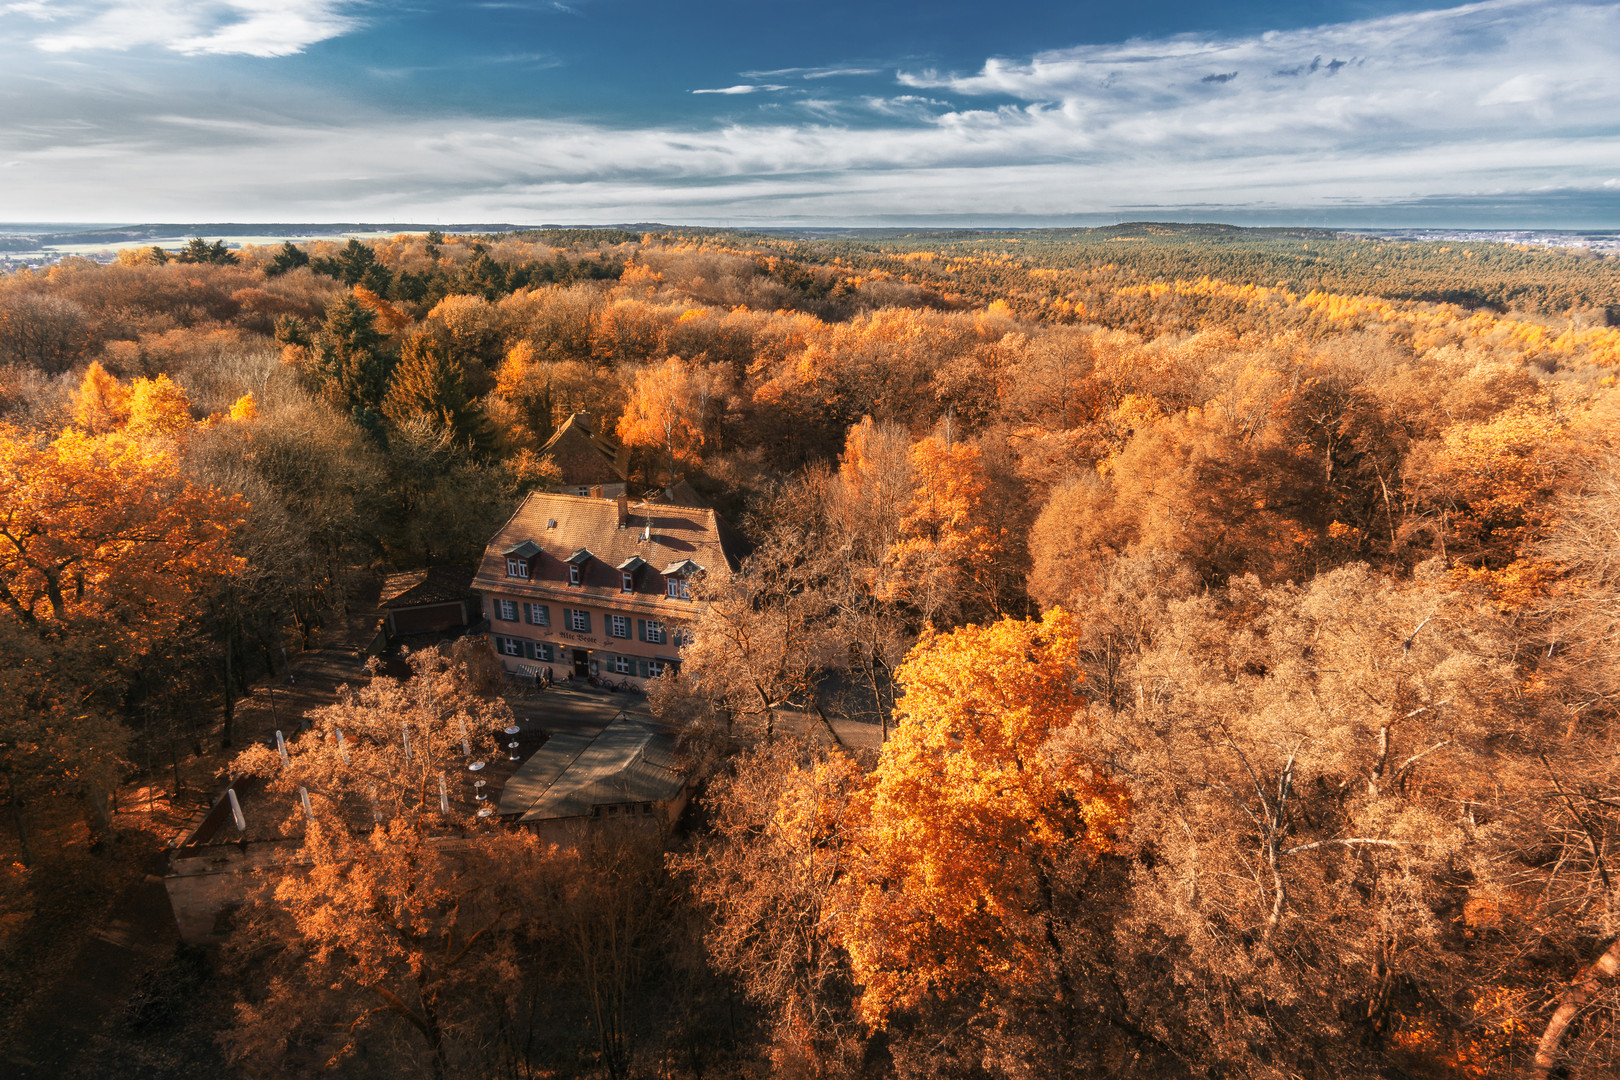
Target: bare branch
pixel 1350 840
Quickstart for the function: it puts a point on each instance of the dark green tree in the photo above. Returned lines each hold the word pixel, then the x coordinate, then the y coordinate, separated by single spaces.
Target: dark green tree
pixel 350 357
pixel 355 262
pixel 289 257
pixel 484 277
pixel 198 250
pixel 290 330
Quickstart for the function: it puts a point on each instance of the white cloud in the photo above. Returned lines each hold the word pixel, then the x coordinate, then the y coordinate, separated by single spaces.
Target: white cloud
pixel 191 28
pixel 1492 100
pixel 1470 70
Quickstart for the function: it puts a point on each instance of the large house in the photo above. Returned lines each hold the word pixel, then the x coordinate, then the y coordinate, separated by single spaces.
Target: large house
pixel 589 585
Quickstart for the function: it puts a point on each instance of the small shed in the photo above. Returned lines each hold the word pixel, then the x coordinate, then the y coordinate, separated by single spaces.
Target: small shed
pixel 429 601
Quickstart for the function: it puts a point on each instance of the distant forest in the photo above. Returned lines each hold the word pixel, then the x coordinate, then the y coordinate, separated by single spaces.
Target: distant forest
pixel 1235 610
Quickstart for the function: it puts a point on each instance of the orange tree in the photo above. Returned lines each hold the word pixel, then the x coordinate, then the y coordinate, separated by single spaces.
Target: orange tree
pixel 408 907
pixel 106 549
pixel 979 814
pixel 947 546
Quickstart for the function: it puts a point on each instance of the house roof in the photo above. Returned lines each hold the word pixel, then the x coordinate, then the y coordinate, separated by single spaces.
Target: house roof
pixel 571 775
pixel 526 550
pixel 584 525
pixel 584 457
pixel 435 585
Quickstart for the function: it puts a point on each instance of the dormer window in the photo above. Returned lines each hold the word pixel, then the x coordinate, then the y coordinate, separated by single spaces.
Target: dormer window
pixel 576 566
pixel 522 560
pixel 676 579
pixel 629 570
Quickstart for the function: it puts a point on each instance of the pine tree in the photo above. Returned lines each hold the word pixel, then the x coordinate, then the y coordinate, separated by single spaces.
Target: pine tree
pixel 429 382
pixel 350 357
pixel 289 257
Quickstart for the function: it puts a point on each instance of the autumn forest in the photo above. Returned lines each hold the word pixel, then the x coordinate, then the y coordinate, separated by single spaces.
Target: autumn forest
pixel 1228 617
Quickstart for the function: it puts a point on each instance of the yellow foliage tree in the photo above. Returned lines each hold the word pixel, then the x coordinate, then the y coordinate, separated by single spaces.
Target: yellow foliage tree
pixel 971 809
pixel 158 407
pixel 102 402
pixel 102 525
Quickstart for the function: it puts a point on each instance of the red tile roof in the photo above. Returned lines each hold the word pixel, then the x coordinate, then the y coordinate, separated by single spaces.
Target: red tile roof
pixel 582 456
pixel 561 525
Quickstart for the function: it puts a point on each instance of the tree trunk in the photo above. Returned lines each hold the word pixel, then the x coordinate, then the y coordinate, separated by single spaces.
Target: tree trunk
pixel 98 805
pixel 230 693
pixel 15 798
pixel 1582 990
pixel 435 1035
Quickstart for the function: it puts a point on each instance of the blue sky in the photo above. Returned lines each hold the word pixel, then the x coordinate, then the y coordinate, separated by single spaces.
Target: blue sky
pixel 775 112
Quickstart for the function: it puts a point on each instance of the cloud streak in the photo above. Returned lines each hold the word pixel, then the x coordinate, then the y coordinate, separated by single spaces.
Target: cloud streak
pixel 263 28
pixel 741 88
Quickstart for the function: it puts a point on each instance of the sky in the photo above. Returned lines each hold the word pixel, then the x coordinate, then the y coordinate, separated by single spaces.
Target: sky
pixel 1339 113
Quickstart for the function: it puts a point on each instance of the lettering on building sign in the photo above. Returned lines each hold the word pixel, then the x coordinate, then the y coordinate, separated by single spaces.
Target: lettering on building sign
pixel 583 639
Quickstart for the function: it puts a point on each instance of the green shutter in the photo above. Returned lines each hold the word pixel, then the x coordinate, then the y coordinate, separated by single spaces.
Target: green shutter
pixel 587 621
pixel 641 629
pixel 641 668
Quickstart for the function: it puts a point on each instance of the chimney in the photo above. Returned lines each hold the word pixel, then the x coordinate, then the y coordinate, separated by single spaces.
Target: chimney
pixel 596 491
pixel 623 502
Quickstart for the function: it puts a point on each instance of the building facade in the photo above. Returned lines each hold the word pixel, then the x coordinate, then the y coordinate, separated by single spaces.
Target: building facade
pixel 586 585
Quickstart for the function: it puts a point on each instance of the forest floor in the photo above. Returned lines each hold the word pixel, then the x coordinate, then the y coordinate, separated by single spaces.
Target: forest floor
pixel 94 981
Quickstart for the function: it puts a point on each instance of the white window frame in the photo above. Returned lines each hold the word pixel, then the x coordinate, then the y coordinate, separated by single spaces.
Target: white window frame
pixel 510 646
pixel 657 633
pixel 518 568
pixel 627 582
pixel 676 588
pixel 618 626
pixel 655 667
pixel 585 492
pixel 579 620
pixel 545 615
pixel 506 610
pixel 574 575
pixel 624 665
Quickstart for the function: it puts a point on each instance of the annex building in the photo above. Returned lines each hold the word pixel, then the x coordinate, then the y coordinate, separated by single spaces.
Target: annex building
pixel 589 585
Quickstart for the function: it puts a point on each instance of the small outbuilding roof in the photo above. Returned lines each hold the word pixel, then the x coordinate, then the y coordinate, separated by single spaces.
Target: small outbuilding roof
pixel 435 585
pixel 571 775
